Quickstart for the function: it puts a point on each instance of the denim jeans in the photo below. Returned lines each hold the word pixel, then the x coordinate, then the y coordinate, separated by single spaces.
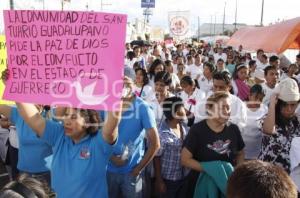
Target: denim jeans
pixel 124 185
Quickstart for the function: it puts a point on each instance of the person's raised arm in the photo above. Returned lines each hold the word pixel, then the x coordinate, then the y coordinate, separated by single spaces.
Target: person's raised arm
pixel 269 121
pixel 110 128
pixel 32 117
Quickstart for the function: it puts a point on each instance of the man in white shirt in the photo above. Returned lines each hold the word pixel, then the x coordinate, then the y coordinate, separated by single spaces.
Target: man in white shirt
pixel 275 61
pixel 165 53
pixel 221 82
pixel 195 71
pixel 186 50
pixel 179 60
pixel 138 56
pixel 261 59
pixel 175 85
pixel 220 55
pixel 271 77
pixel 241 51
pixel 220 66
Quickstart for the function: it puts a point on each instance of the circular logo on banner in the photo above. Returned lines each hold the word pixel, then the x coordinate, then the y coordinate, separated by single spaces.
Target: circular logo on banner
pixel 179 25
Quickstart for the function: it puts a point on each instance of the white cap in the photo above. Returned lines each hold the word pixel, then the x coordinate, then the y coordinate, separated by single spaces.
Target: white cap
pixel 288 90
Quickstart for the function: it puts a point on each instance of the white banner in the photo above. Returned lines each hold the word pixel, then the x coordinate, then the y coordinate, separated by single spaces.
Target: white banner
pixel 179 23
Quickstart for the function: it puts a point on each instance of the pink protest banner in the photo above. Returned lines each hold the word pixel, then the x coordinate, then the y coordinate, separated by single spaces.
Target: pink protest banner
pixel 65 58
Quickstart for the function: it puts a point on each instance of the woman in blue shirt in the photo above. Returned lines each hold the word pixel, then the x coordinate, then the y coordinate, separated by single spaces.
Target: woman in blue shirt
pixel 32 150
pixel 80 151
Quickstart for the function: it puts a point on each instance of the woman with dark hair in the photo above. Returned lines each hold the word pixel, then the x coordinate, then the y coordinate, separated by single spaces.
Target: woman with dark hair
pixel 212 139
pixel 141 88
pixel 230 64
pixel 191 96
pixel 81 150
pixel 181 71
pixel 256 111
pixel 162 82
pixel 130 59
pixel 26 187
pixel 175 85
pixel 157 66
pixel 169 177
pixel 206 81
pixel 281 125
pixel 240 87
pixel 190 60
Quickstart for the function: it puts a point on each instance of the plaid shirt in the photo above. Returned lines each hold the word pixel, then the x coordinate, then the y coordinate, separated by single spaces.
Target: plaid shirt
pixel 170 152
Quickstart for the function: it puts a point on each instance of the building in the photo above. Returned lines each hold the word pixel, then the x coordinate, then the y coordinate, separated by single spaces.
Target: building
pixel 208 29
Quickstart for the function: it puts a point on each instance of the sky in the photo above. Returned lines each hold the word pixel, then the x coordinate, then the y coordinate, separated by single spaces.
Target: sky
pixel 248 11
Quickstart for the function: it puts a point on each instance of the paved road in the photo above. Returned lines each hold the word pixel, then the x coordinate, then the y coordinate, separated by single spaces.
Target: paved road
pixel 3 175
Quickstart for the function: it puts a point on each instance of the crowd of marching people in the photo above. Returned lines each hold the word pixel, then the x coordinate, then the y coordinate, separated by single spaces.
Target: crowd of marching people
pixel 191 117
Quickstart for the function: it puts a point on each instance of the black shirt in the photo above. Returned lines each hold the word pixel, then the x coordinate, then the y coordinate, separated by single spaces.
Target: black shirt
pixel 207 145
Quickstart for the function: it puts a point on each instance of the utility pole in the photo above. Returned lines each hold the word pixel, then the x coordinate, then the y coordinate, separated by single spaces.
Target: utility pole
pixel 224 18
pixel 235 16
pixel 198 28
pixel 262 13
pixel 62 5
pixel 210 28
pixel 11 4
pixel 215 24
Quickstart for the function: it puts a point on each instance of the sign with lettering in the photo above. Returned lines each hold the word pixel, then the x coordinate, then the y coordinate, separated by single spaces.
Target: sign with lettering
pixel 148 3
pixel 65 58
pixel 179 23
pixel 3 65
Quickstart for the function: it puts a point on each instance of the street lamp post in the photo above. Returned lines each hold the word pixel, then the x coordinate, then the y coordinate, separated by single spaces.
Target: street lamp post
pixel 235 16
pixel 224 18
pixel 215 24
pixel 198 28
pixel 262 13
pixel 210 26
pixel 11 4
